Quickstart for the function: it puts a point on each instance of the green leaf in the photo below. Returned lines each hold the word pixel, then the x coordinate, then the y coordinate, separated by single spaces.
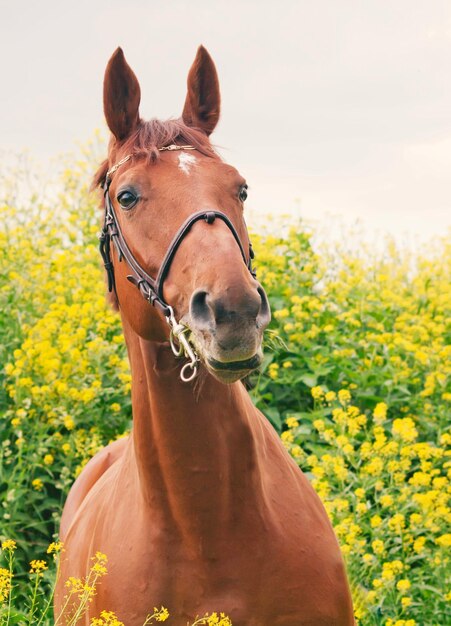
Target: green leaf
pixel 273 416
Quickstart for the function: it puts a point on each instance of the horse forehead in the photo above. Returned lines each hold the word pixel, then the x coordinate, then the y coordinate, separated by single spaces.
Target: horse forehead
pixel 194 161
pixel 216 173
pixel 180 171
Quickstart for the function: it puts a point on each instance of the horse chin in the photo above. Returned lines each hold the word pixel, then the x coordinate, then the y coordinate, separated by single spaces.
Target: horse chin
pixel 227 365
pixel 230 371
pixel 227 378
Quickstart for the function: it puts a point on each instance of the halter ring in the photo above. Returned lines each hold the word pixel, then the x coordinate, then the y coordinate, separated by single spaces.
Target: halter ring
pixel 184 377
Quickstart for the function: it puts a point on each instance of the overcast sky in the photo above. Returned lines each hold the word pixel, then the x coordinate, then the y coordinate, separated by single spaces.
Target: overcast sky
pixel 334 106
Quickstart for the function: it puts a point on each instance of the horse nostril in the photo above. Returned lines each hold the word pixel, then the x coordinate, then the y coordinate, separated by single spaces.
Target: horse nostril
pixel 199 310
pixel 209 313
pixel 264 315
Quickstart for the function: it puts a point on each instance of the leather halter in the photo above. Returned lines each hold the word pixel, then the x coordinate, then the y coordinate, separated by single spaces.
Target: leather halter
pixel 152 288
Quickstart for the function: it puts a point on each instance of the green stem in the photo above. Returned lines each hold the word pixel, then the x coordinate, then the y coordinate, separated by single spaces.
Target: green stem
pixel 10 563
pixel 33 599
pixel 50 600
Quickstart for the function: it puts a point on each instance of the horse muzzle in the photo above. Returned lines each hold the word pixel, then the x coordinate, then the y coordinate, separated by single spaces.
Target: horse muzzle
pixel 227 330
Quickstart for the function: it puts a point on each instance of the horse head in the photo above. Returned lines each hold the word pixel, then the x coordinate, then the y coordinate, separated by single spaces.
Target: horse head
pixel 177 210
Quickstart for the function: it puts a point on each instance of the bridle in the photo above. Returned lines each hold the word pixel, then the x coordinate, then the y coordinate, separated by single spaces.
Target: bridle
pixel 152 288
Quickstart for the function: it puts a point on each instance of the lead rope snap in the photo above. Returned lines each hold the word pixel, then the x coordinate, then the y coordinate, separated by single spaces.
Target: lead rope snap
pixel 178 336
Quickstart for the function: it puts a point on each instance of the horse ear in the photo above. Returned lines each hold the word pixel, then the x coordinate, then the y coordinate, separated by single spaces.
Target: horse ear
pixel 203 100
pixel 121 96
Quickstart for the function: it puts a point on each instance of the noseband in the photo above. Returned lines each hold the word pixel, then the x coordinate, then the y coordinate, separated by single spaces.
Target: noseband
pixel 152 288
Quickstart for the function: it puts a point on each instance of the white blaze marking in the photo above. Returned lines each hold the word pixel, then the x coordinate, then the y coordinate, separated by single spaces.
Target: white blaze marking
pixel 185 161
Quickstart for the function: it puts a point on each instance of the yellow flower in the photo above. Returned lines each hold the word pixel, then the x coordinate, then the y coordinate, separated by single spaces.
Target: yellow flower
pixel 415 519
pixel 37 566
pixel 9 545
pixel 378 546
pixel 99 568
pixel 74 585
pixel 161 615
pixel 5 584
pixel 54 547
pixel 69 422
pixel 344 396
pixel 419 544
pixel 405 429
pixel 317 392
pixel 444 540
pixel 48 459
pixel 37 484
pixel 107 618
pixel 340 417
pixel 420 479
pixel 9 369
pixel 281 314
pixel 330 396
pixel 403 585
pixel 292 422
pixel 388 574
pixel 397 522
pixel 218 620
pixel 374 467
pixel 380 412
pixel 100 557
pixel 116 407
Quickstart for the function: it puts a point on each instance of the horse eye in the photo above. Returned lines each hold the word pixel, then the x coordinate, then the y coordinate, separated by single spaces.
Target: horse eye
pixel 243 193
pixel 126 199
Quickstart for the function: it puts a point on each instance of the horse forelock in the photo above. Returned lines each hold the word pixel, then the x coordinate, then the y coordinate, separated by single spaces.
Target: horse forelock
pixel 149 137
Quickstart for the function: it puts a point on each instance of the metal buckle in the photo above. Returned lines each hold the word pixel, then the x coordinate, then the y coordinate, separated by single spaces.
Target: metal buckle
pixel 118 164
pixel 173 147
pixel 184 348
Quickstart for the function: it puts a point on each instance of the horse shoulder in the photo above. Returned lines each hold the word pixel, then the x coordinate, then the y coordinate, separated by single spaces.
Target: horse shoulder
pixel 95 468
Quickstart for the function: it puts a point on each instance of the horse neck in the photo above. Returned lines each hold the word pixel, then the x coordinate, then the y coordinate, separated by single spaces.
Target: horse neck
pixel 195 445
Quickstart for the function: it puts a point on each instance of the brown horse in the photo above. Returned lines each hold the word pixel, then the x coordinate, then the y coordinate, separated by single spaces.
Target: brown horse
pixel 201 508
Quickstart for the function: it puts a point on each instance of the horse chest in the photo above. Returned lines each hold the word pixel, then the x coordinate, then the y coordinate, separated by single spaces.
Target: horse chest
pixel 268 564
pixel 264 580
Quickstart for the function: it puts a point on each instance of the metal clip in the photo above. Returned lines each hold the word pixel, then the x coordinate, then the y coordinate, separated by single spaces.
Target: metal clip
pixel 184 348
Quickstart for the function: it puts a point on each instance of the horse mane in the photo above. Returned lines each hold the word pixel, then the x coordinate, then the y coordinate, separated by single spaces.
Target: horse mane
pixel 152 135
